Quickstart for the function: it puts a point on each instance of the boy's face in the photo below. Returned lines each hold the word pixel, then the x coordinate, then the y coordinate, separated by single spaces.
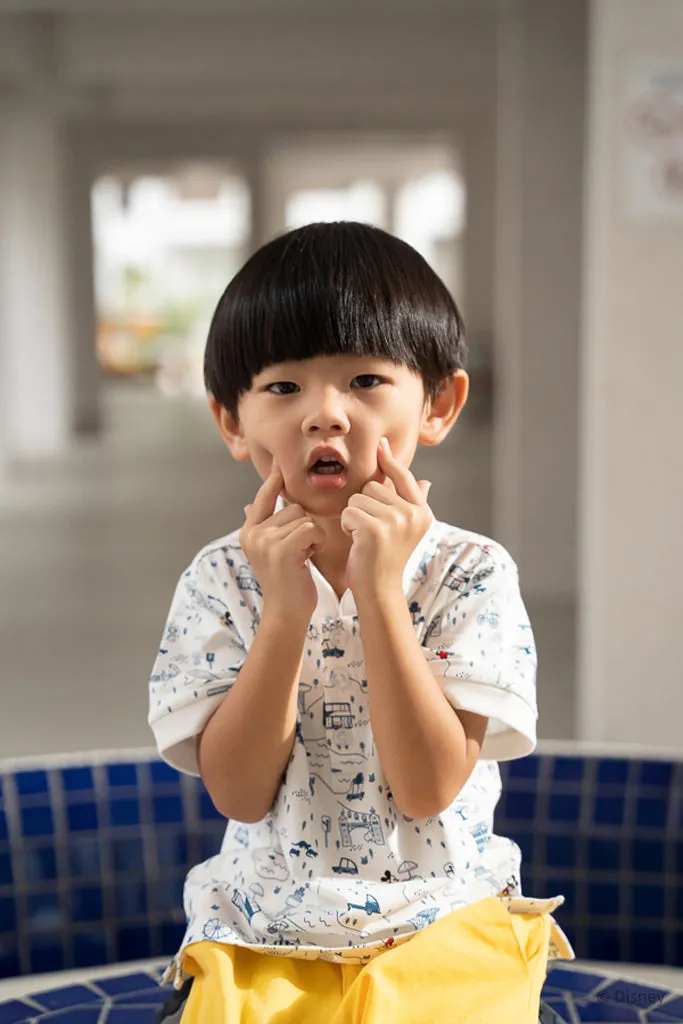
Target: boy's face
pixel 345 402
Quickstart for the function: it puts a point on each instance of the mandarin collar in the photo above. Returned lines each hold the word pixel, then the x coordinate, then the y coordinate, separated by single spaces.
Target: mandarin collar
pixel 330 606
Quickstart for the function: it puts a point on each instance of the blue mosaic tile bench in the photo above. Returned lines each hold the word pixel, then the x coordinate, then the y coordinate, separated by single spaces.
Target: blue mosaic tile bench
pixel 577 996
pixel 93 855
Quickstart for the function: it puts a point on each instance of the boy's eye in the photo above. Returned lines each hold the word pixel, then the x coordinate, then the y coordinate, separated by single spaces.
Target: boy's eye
pixel 368 380
pixel 368 377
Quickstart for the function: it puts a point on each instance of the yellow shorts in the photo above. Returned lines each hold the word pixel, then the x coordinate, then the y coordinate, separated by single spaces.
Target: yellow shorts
pixel 478 965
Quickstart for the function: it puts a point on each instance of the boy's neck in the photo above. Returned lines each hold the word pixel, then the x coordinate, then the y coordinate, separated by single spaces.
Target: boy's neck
pixel 331 561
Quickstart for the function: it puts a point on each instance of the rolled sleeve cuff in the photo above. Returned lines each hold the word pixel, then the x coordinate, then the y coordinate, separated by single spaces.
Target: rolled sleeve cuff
pixel 511 730
pixel 176 734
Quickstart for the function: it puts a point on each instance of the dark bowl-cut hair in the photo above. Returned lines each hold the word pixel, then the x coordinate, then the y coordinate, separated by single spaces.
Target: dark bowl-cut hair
pixel 340 288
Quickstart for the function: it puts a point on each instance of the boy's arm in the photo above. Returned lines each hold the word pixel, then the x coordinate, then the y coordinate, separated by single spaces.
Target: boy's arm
pixel 427 749
pixel 245 746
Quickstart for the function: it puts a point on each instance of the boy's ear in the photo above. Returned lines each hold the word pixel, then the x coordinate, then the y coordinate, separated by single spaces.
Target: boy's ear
pixel 230 431
pixel 441 413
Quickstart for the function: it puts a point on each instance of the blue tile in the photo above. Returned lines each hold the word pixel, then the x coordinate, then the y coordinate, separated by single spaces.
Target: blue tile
pixel 90 949
pixel 40 865
pixel 87 904
pixel 84 857
pixel 151 997
pixel 564 807
pixel 72 995
pixel 16 1012
pixel 647 855
pixel 127 855
pixel 136 982
pixel 172 850
pixel 601 1013
pixel 75 1015
pixel 133 943
pixel 651 813
pixel 628 993
pixel 166 896
pixel 171 937
pixel 648 900
pixel 8 914
pixel 29 783
pixel 209 846
pixel 608 810
pixel 655 773
pixel 520 805
pixel 162 772
pixel 130 899
pixel 561 851
pixel 567 769
pixel 4 832
pixel 126 1015
pixel 37 821
pixel 603 944
pixel 603 898
pixel 77 779
pixel 167 809
pixel 207 809
pixel 122 774
pixel 613 771
pixel 46 955
pixel 9 960
pixel 44 911
pixel 604 854
pixel 82 817
pixel 124 812
pixel 675 1008
pixel 524 767
pixel 578 982
pixel 6 875
pixel 646 946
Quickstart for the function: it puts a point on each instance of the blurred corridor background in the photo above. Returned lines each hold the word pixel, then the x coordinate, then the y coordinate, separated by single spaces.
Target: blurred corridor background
pixel 533 151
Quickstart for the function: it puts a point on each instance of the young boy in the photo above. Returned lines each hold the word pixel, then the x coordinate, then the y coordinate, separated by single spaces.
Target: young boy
pixel 345 672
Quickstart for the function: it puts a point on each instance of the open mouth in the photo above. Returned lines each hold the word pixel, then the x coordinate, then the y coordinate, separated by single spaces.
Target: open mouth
pixel 327 467
pixel 327 473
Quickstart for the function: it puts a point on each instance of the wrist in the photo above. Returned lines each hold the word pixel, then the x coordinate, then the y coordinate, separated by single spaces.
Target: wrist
pixel 383 597
pixel 284 620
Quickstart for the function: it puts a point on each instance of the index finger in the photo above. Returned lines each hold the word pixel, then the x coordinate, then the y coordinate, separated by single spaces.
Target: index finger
pixel 403 480
pixel 263 505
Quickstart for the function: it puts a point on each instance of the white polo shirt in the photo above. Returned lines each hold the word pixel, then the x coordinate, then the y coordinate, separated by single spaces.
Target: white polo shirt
pixel 335 870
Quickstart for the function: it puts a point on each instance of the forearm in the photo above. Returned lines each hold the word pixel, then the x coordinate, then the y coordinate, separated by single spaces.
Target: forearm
pixel 246 744
pixel 419 738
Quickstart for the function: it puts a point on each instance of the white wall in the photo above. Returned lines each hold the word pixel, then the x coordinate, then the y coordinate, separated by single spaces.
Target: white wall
pixel 541 90
pixel 631 662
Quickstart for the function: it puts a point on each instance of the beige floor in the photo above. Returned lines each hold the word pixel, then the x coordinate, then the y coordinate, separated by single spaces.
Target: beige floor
pixel 92 543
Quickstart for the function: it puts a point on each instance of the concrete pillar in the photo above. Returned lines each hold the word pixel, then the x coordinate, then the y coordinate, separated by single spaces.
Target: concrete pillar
pixel 86 375
pixel 478 155
pixel 631 566
pixel 254 165
pixel 36 392
pixel 541 70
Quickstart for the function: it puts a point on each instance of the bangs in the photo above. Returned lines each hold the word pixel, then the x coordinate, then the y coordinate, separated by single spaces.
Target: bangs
pixel 332 289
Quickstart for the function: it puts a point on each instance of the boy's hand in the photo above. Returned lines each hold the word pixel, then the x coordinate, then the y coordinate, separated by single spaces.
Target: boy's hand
pixel 385 521
pixel 277 547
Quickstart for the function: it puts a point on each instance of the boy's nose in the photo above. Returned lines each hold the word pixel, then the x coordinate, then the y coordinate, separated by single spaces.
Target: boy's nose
pixel 327 415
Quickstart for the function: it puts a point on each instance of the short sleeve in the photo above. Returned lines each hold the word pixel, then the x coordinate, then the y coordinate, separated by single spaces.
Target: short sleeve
pixel 479 644
pixel 198 661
